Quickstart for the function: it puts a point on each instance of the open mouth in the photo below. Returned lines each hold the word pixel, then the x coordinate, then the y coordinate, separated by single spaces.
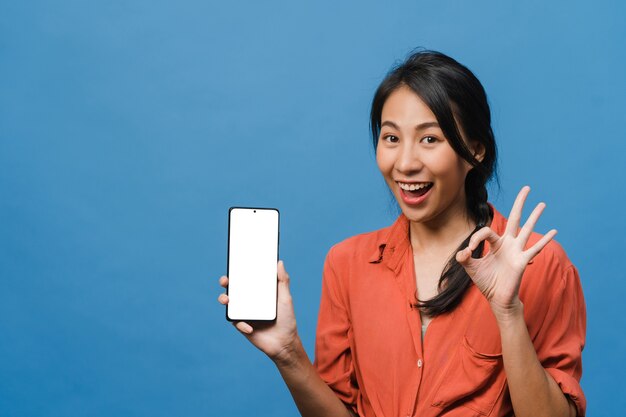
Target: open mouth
pixel 415 189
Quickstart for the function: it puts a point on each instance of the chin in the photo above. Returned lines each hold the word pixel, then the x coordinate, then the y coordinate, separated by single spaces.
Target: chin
pixel 416 215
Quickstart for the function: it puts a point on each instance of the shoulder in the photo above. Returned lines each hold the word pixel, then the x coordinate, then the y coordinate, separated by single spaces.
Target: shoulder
pixel 551 257
pixel 552 294
pixel 361 247
pixel 550 271
pixel 350 258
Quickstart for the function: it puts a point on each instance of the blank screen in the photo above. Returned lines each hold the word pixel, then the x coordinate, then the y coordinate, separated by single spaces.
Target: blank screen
pixel 252 264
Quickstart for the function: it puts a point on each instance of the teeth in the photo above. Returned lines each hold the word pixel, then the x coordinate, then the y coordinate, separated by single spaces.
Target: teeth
pixel 413 187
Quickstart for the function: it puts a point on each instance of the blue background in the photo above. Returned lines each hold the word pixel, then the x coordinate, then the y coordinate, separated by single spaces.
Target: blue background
pixel 127 129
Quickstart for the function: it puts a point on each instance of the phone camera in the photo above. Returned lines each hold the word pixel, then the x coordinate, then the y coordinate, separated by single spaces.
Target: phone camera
pixel 255 211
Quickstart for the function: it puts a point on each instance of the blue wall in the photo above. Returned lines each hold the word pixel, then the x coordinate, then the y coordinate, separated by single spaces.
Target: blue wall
pixel 127 129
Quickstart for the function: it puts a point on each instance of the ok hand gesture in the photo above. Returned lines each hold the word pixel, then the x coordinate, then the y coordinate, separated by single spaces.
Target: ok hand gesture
pixel 499 273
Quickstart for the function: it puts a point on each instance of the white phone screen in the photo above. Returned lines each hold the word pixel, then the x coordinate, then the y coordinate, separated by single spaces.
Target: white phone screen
pixel 252 263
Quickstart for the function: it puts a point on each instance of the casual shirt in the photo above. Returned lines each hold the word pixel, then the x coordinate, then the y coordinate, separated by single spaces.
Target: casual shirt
pixel 369 346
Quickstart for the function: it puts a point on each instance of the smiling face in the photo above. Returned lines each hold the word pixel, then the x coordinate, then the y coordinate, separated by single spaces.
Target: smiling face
pixel 425 174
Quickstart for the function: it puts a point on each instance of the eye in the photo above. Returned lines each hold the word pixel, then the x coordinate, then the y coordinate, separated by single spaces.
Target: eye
pixel 429 139
pixel 391 138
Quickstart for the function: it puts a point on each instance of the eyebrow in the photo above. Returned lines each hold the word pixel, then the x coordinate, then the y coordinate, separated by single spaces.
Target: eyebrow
pixel 420 126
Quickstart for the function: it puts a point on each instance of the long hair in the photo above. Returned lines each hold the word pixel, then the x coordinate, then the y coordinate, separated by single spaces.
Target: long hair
pixel 453 93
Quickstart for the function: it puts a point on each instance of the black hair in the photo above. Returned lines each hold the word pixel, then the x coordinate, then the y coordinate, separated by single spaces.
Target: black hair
pixel 453 94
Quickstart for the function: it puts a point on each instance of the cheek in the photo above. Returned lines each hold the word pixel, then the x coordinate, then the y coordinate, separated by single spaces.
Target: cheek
pixel 383 161
pixel 447 165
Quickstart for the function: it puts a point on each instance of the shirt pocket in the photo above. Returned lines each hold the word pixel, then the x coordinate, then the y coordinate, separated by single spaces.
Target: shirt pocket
pixel 472 379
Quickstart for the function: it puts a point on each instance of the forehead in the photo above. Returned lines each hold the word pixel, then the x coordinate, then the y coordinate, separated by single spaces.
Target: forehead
pixel 404 106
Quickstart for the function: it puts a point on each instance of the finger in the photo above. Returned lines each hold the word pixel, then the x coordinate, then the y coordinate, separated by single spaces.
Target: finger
pixel 483 234
pixel 536 248
pixel 223 299
pixel 243 327
pixel 224 281
pixel 525 232
pixel 464 257
pixel 515 216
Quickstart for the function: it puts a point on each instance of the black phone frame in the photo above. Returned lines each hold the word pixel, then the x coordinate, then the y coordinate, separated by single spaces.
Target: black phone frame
pixel 228 263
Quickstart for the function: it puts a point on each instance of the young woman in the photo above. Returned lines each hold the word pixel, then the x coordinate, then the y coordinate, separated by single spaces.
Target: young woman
pixel 453 310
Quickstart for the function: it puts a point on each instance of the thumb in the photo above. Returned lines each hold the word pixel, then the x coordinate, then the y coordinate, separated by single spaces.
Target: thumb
pixel 283 283
pixel 464 257
pixel 470 264
pixel 283 276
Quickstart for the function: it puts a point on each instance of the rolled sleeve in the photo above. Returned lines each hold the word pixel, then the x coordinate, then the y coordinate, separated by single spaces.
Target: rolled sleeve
pixel 561 339
pixel 333 358
pixel 570 387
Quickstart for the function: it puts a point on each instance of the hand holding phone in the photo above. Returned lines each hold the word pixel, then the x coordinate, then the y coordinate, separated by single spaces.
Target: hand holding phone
pixel 278 338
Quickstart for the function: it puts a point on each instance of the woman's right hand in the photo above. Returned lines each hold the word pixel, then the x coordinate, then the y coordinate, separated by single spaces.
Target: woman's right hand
pixel 277 339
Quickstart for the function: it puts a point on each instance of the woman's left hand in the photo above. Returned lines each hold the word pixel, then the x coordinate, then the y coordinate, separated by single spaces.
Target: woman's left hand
pixel 499 273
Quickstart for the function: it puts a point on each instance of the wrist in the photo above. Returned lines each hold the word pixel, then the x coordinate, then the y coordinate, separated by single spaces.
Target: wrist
pixel 509 313
pixel 290 355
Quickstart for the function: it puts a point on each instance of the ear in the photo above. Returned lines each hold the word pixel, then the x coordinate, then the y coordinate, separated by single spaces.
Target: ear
pixel 478 150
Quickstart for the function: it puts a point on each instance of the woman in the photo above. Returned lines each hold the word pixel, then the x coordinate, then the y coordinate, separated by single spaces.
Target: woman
pixel 452 310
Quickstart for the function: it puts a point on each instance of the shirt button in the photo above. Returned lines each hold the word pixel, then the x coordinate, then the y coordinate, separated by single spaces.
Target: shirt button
pixel 419 363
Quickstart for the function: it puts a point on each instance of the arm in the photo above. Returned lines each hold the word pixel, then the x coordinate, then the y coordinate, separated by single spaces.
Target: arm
pixel 310 393
pixel 280 342
pixel 533 391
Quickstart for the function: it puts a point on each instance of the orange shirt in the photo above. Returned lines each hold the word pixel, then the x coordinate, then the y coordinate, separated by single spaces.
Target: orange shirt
pixel 369 348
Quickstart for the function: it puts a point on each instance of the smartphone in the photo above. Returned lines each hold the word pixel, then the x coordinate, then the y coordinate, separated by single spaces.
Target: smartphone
pixel 253 235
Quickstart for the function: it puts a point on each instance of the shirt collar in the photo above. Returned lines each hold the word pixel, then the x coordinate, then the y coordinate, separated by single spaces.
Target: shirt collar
pixel 392 245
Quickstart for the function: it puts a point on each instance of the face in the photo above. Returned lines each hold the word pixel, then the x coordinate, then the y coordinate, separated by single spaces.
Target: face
pixel 425 174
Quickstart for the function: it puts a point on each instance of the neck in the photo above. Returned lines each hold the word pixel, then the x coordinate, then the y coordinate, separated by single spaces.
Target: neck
pixel 441 233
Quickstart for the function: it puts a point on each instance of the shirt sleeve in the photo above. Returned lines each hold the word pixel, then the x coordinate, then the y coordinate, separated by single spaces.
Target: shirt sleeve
pixel 333 358
pixel 561 336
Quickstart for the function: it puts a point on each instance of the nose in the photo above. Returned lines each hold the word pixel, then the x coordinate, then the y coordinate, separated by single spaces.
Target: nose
pixel 409 158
